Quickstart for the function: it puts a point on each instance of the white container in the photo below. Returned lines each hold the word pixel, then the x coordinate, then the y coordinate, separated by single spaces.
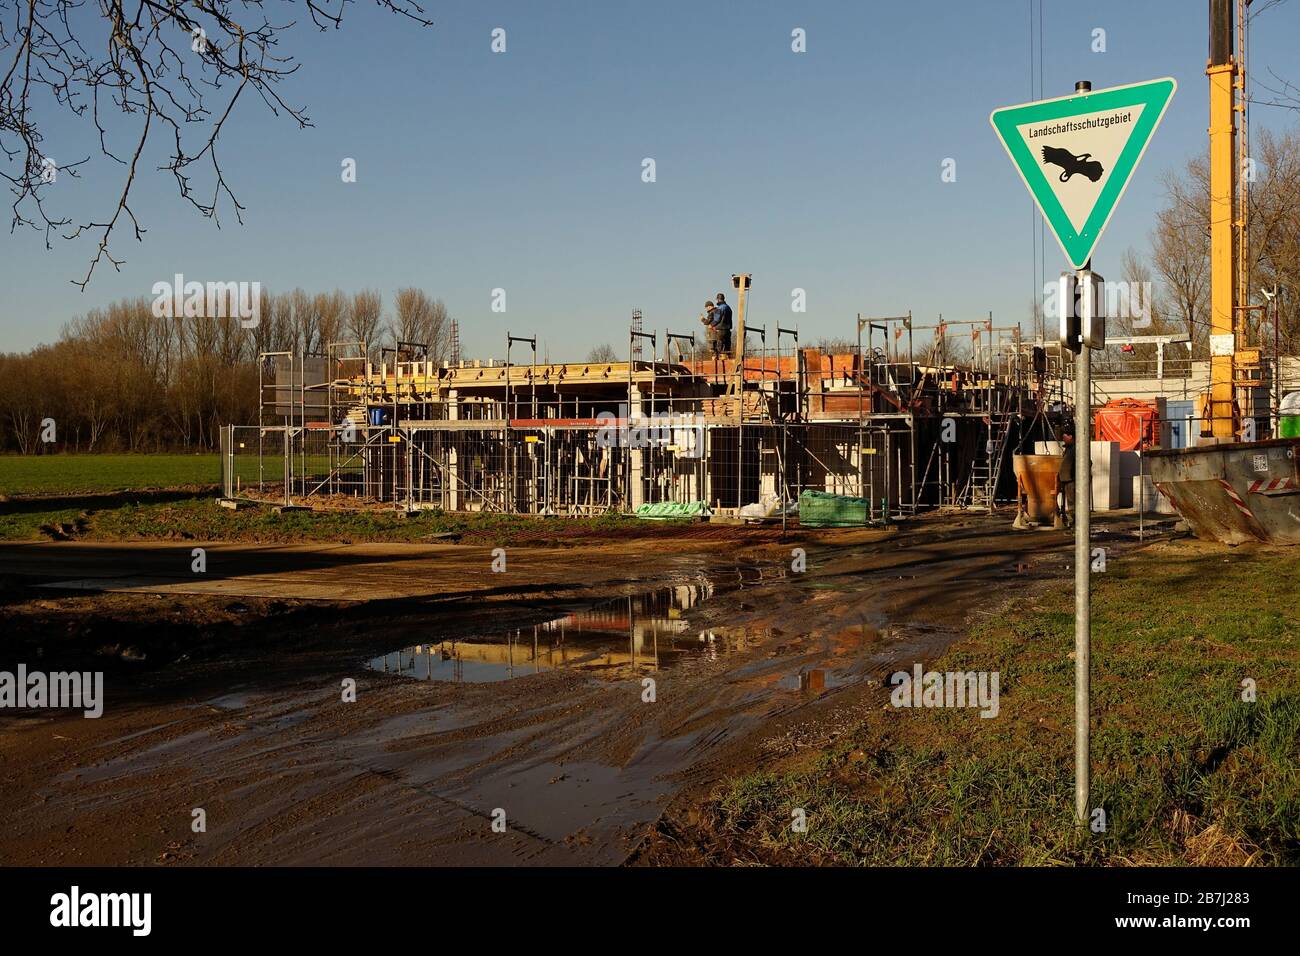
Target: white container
pixel 1105 475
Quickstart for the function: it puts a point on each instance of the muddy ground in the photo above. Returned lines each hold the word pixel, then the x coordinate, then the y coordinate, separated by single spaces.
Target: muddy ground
pixel 225 690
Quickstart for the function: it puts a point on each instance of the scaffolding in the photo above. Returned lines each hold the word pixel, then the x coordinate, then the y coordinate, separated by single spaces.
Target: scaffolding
pixel 907 429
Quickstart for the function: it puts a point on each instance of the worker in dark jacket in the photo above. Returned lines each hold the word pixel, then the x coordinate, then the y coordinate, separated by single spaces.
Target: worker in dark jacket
pixel 722 319
pixel 1065 478
pixel 710 322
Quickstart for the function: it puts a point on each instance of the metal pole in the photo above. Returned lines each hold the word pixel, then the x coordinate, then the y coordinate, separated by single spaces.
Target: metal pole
pixel 1142 495
pixel 261 401
pixel 626 425
pixel 740 402
pixel 287 469
pixel 784 487
pixel 1082 562
pixel 911 459
pixel 741 284
pixel 649 454
pixel 505 432
pixel 532 375
pixel 1277 368
pixel 410 474
pixel 857 378
pixel 885 501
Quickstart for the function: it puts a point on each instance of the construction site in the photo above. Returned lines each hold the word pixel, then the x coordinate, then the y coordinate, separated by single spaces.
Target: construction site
pixel 869 588
pixel 772 430
pixel 664 433
pixel 888 429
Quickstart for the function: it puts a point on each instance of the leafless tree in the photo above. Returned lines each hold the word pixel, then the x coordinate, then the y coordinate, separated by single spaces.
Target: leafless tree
pixel 1275 89
pixel 121 378
pixel 164 73
pixel 306 321
pixel 1138 310
pixel 1275 229
pixel 1038 320
pixel 331 316
pixel 1181 251
pixel 420 319
pixel 1181 241
pixel 365 316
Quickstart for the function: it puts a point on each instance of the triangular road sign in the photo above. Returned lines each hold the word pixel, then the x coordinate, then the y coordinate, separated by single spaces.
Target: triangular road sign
pixel 1077 154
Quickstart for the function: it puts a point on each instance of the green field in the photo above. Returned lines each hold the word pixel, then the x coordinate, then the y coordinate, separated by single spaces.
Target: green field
pixel 81 474
pixel 94 498
pixel 1186 771
pixel 198 517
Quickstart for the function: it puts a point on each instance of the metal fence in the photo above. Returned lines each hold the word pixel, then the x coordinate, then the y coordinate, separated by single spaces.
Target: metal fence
pixel 563 470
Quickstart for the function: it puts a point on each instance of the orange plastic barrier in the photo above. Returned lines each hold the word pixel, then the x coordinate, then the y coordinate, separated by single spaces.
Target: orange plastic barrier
pixel 1131 422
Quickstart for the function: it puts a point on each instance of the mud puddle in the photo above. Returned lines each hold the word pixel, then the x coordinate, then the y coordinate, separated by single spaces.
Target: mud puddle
pixel 616 639
pixel 754 668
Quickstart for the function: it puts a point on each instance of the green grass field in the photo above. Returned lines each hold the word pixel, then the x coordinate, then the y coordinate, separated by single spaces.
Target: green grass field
pixel 45 503
pixel 82 474
pixel 198 517
pixel 1186 771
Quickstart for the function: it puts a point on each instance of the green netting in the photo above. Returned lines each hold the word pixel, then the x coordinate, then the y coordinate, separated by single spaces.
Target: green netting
pixel 664 510
pixel 820 509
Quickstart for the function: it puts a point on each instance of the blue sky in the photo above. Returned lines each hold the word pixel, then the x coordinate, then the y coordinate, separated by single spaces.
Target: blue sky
pixel 522 170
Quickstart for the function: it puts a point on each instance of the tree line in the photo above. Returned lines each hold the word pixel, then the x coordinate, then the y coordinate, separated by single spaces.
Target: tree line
pixel 121 378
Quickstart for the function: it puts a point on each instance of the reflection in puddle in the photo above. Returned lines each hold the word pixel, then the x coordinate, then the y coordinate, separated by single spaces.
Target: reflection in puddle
pixel 814 680
pixel 614 640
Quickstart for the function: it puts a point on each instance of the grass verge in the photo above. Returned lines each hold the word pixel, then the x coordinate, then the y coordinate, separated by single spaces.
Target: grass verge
pixel 200 518
pixel 1187 772
pixel 82 474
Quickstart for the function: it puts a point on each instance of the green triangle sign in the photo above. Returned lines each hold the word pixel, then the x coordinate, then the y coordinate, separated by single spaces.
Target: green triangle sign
pixel 1077 154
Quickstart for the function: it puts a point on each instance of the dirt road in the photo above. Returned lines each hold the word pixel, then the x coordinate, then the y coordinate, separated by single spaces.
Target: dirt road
pixel 564 749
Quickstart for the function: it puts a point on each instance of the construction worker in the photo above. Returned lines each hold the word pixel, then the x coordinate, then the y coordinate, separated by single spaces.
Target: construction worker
pixel 1065 478
pixel 709 321
pixel 722 317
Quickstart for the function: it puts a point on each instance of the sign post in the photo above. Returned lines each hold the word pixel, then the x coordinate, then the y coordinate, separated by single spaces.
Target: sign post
pixel 1076 155
pixel 1082 558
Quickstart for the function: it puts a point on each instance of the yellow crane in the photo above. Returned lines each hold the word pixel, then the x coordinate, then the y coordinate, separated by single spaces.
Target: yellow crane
pixel 1233 362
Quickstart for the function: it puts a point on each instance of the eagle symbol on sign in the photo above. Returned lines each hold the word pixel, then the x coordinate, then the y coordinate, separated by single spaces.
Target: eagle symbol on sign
pixel 1070 164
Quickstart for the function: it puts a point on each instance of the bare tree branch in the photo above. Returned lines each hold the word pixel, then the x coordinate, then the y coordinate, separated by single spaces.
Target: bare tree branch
pixel 159 67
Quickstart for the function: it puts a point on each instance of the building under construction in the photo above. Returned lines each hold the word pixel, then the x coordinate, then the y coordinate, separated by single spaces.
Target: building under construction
pixel 904 427
pixel 896 428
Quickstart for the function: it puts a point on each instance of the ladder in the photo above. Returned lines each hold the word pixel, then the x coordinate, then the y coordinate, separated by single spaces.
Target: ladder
pixel 453 347
pixel 985 473
pixel 925 482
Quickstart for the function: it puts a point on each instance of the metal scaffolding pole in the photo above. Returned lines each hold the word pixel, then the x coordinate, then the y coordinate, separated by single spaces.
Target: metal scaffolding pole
pixel 509 497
